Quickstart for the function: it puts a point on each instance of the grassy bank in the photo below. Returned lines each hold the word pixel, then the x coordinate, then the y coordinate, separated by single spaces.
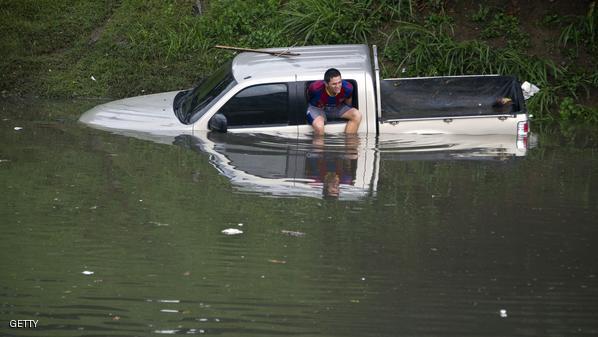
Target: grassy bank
pixel 114 49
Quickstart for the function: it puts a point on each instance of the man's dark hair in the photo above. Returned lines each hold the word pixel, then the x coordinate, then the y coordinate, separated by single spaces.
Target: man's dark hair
pixel 330 73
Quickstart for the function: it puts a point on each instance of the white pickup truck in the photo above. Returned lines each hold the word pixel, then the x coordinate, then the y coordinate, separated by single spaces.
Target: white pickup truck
pixel 264 93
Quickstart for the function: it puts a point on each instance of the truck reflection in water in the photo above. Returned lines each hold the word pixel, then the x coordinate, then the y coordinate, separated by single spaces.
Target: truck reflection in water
pixel 338 167
pixel 288 167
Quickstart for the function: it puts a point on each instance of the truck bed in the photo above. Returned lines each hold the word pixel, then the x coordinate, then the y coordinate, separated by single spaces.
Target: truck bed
pixel 449 97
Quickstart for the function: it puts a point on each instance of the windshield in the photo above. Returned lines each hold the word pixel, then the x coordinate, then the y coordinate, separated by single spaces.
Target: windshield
pixel 190 105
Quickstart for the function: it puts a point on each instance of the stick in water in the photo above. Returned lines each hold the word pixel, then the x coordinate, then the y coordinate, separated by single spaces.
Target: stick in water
pixel 275 53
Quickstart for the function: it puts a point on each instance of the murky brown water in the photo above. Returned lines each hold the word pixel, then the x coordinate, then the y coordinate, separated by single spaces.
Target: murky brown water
pixel 106 235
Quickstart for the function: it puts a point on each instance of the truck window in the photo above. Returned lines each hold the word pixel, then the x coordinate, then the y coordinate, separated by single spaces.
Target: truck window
pixel 354 96
pixel 190 105
pixel 265 104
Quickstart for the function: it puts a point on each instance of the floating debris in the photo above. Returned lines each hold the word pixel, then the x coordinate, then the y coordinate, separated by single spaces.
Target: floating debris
pixel 503 313
pixel 191 331
pixel 87 272
pixel 166 332
pixel 277 261
pixel 171 311
pixel 232 231
pixel 93 78
pixel 292 233
pixel 159 224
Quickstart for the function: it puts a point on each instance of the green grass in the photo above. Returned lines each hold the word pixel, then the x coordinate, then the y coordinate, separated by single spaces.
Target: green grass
pixel 428 48
pixel 132 47
pixel 32 27
pixel 35 35
pixel 507 27
pixel 143 45
pixel 571 111
pixel 481 14
pixel 582 30
pixel 333 21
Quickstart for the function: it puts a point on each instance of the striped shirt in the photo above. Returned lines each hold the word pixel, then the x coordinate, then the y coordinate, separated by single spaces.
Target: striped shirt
pixel 318 95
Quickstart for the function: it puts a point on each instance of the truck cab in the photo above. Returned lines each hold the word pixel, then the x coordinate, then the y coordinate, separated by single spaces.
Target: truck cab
pixel 265 93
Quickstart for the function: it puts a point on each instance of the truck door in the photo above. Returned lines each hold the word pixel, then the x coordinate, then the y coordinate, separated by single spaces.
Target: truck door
pixel 261 108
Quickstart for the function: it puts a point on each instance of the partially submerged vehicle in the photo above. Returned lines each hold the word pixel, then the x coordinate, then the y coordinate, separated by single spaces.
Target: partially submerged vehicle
pixel 266 93
pixel 256 94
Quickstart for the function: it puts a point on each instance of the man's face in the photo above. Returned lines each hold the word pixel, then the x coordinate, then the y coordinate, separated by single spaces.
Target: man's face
pixel 332 185
pixel 335 85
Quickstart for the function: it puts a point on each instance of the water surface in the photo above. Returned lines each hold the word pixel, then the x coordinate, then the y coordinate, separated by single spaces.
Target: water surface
pixel 107 235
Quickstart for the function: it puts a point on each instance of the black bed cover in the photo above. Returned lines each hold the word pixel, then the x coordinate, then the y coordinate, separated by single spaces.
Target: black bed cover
pixel 450 97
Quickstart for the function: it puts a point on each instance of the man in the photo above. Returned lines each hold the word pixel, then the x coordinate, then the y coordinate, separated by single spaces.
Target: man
pixel 331 97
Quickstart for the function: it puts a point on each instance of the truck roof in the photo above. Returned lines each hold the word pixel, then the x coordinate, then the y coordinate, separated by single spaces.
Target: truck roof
pixel 313 61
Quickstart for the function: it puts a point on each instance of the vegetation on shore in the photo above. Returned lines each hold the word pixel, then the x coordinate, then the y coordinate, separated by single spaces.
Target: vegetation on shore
pixel 114 49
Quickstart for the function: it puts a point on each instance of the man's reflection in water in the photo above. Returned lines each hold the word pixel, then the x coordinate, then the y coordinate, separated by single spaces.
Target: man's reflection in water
pixel 334 166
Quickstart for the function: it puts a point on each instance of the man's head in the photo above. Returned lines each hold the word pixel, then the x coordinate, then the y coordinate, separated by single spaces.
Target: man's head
pixel 333 80
pixel 331 185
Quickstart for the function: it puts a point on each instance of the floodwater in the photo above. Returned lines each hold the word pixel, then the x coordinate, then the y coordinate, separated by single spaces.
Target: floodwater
pixel 108 235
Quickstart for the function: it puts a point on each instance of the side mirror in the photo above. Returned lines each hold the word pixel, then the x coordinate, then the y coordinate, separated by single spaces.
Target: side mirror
pixel 218 123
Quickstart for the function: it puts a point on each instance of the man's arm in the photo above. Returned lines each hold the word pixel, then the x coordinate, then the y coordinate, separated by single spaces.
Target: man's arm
pixel 348 93
pixel 314 92
pixel 349 101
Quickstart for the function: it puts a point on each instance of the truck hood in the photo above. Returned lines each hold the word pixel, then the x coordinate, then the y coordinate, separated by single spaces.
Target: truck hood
pixel 146 114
